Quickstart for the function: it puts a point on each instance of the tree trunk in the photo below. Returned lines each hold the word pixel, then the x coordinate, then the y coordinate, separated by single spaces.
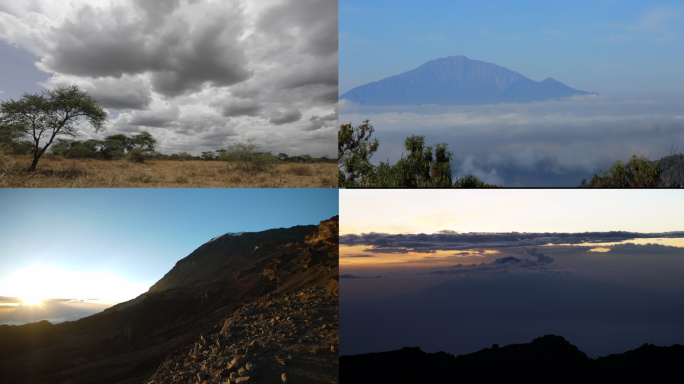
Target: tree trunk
pixel 35 162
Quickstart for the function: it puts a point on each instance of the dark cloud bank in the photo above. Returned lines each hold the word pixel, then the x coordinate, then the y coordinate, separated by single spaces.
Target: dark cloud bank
pixel 450 240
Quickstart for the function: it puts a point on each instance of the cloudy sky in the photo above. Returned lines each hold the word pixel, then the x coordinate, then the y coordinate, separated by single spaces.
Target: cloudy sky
pixel 72 245
pixel 508 266
pixel 197 74
pixel 629 52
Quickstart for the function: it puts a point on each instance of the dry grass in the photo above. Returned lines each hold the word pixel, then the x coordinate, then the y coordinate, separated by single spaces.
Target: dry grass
pixel 57 172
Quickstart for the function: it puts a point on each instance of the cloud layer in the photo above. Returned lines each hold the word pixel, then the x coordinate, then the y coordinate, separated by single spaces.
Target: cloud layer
pixel 551 143
pixel 451 241
pixel 198 75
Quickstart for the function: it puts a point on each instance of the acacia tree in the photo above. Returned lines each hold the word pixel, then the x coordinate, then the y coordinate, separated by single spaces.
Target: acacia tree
pixel 53 113
pixel 145 141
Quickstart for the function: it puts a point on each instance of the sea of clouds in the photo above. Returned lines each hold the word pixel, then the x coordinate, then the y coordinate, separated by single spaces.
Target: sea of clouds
pixel 550 143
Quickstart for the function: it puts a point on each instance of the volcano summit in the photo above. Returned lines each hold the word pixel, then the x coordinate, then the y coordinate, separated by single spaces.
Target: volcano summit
pixel 457 80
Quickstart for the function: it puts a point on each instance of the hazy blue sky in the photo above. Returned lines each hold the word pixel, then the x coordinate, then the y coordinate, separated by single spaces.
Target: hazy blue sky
pixel 197 74
pixel 93 238
pixel 616 48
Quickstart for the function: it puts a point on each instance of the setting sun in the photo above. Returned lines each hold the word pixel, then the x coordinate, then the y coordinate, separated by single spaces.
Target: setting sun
pixel 32 300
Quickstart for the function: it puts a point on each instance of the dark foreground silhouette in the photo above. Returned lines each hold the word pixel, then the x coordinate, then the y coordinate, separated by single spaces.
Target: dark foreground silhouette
pixel 547 359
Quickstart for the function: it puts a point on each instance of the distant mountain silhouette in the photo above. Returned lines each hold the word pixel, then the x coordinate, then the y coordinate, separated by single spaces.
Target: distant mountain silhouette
pixel 547 359
pixel 457 80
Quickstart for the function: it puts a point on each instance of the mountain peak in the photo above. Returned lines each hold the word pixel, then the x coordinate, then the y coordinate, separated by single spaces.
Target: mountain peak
pixel 457 80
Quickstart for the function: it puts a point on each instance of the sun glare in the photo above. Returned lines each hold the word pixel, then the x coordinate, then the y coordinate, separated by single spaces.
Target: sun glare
pixel 32 300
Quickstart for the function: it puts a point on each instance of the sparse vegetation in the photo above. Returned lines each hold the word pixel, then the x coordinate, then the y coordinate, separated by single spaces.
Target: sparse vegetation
pixel 58 171
pixel 420 168
pixel 246 155
pixel 639 172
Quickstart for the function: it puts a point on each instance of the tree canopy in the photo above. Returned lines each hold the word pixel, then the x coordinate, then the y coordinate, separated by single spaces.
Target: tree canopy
pixel 48 115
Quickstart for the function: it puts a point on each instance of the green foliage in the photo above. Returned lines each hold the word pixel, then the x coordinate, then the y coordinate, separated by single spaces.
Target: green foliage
pixel 354 150
pixel 469 181
pixel 79 152
pixel 45 116
pixel 121 142
pixel 209 155
pixel 673 170
pixel 424 166
pixel 136 155
pixel 421 168
pixel 245 153
pixel 144 141
pixel 638 173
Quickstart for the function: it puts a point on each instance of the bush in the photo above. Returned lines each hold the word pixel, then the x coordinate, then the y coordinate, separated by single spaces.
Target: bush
pixel 638 173
pixel 136 155
pixel 78 153
pixel 245 154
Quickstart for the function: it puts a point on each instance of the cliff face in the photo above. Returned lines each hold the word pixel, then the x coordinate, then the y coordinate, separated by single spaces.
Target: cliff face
pixel 327 232
pixel 225 255
pixel 203 289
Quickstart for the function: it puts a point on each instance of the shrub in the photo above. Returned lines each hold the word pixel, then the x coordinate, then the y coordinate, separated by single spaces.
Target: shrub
pixel 299 169
pixel 136 155
pixel 245 154
pixel 78 152
pixel 638 173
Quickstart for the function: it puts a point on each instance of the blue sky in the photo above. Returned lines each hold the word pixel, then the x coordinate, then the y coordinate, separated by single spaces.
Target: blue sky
pixel 629 52
pixel 615 48
pixel 135 236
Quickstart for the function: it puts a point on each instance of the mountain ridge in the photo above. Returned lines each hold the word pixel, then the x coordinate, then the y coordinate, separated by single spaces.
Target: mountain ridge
pixel 130 342
pixel 457 80
pixel 546 359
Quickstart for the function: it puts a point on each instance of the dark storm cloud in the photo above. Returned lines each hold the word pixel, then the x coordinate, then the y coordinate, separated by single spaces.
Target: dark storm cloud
pixel 157 118
pixel 241 107
pixel 541 258
pixel 320 18
pixel 356 256
pixel 398 250
pixel 509 264
pixel 316 122
pixel 450 240
pixel 646 249
pixel 350 276
pixel 105 42
pixel 290 116
pixel 250 69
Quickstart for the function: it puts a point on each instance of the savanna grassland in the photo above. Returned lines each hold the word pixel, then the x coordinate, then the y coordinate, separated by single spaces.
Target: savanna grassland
pixel 54 171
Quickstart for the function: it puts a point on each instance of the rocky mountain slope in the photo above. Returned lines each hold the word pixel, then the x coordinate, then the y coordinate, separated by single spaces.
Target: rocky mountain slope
pixel 457 80
pixel 229 278
pixel 548 359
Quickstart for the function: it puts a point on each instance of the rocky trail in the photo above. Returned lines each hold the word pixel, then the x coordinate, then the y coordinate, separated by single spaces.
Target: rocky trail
pixel 290 338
